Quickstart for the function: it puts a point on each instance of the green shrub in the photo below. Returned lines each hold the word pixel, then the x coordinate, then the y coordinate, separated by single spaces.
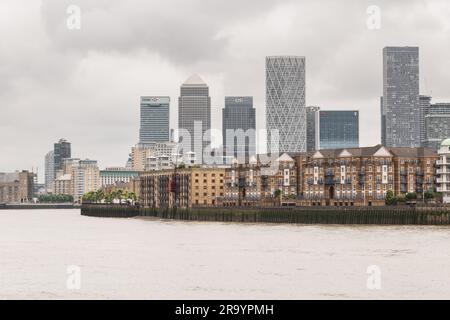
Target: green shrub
pixel 411 196
pixel 390 198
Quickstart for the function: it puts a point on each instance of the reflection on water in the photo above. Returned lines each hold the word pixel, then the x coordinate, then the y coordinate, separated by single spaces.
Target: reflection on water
pixel 152 259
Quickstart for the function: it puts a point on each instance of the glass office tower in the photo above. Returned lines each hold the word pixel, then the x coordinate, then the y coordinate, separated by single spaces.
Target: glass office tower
pixel 239 117
pixel 285 102
pixel 154 119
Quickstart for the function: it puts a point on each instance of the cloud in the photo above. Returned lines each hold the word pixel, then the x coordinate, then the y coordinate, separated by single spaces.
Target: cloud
pixel 85 85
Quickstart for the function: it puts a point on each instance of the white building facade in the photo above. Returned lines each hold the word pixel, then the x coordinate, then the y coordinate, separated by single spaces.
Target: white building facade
pixel 443 171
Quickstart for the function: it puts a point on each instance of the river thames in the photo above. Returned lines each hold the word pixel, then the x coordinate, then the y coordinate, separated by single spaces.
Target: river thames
pixel 141 258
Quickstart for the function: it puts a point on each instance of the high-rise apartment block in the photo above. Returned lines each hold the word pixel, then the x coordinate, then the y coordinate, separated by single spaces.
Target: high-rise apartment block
pixel 62 150
pixel 401 104
pixel 78 177
pixel 49 170
pixel 443 170
pixel 285 103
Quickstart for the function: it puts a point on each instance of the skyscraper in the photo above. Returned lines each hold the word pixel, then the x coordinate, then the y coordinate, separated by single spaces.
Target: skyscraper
pixel 194 105
pixel 401 96
pixel 424 103
pixel 337 129
pixel 436 125
pixel 239 114
pixel 311 113
pixel 154 119
pixel 61 151
pixel 49 169
pixel 383 123
pixel 285 102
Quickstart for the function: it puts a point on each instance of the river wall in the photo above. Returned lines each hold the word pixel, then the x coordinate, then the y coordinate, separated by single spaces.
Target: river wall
pixel 386 215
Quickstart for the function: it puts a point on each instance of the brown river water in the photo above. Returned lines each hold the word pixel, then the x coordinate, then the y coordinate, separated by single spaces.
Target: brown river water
pixel 141 258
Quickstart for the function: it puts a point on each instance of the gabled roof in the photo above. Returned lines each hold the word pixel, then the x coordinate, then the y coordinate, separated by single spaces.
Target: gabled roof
pixel 345 153
pixel 317 155
pixel 382 152
pixel 285 157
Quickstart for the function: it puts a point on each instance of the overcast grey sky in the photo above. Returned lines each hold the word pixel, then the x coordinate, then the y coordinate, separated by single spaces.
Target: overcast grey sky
pixel 84 85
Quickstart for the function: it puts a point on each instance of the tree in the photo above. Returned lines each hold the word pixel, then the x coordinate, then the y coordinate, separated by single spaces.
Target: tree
pixel 429 194
pixel 390 198
pixel 55 198
pixel 90 197
pixel 100 195
pixel 411 196
pixel 400 198
pixel 277 193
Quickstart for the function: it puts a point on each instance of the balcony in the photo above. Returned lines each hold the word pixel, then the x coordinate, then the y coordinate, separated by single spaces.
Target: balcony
pixel 443 180
pixel 329 181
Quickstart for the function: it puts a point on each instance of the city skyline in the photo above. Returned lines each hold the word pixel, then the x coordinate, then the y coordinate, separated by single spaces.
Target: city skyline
pixel 233 71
